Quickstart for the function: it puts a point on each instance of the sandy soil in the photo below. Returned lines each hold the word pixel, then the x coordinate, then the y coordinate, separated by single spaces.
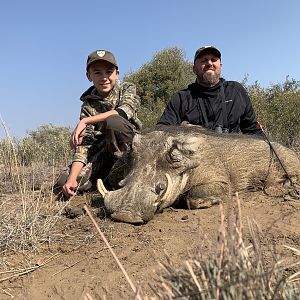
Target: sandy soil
pixel 80 266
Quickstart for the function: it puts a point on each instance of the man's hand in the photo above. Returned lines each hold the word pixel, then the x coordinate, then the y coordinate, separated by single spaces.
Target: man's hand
pixel 69 188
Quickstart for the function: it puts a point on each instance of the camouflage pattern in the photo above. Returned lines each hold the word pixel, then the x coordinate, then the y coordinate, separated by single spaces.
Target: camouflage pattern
pixel 123 96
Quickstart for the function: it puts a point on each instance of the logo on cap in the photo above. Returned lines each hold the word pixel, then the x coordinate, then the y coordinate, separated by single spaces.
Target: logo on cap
pixel 101 53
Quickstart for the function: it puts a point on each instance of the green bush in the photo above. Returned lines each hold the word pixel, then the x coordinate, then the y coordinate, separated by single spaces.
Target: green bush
pixel 48 143
pixel 278 110
pixel 31 162
pixel 158 80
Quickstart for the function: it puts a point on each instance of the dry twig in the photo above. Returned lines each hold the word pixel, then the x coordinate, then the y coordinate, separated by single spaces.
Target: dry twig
pixel 112 252
pixel 7 293
pixel 31 269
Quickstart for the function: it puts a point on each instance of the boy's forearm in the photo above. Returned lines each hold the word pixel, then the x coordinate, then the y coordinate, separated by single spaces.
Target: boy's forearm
pixel 75 169
pixel 99 118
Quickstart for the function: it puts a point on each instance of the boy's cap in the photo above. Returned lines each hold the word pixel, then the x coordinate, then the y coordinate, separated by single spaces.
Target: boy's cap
pixel 207 49
pixel 101 55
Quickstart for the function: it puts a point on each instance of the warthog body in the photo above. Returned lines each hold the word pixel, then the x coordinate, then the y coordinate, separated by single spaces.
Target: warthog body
pixel 202 167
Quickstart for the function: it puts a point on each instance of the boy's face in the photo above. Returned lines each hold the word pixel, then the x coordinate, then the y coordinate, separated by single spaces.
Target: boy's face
pixel 103 75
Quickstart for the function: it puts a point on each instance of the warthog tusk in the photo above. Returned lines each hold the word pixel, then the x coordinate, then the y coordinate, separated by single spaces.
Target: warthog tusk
pixel 168 192
pixel 101 188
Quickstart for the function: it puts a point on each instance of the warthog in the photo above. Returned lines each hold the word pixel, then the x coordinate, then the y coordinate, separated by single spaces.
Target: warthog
pixel 203 168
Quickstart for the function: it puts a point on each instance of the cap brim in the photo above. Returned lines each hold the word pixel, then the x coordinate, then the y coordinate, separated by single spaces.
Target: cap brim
pixel 208 50
pixel 99 59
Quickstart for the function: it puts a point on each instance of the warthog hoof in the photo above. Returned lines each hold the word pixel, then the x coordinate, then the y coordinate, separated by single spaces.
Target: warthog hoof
pixel 203 203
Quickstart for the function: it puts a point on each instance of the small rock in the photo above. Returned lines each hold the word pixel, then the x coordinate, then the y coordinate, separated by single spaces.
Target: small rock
pixel 184 218
pixel 73 212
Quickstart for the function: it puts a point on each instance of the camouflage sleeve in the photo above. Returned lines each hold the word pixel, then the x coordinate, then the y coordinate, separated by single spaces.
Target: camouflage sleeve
pixel 81 154
pixel 129 100
pixel 82 151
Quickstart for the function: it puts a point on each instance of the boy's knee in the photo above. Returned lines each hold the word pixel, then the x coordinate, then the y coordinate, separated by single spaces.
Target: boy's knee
pixel 115 122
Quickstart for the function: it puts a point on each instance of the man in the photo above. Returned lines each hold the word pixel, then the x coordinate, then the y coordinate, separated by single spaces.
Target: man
pixel 211 101
pixel 108 122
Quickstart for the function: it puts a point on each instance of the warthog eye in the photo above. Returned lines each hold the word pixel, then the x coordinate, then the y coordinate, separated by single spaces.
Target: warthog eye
pixel 159 188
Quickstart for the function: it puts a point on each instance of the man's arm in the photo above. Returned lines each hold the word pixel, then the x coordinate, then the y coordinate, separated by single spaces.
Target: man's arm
pixel 172 112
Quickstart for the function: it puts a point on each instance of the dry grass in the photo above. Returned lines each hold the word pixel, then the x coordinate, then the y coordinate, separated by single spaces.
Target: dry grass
pixel 26 217
pixel 29 214
pixel 235 268
pixel 24 226
pixel 32 219
pixel 231 270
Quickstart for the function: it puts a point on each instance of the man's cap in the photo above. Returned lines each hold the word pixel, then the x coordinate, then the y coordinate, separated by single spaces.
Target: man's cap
pixel 101 55
pixel 207 49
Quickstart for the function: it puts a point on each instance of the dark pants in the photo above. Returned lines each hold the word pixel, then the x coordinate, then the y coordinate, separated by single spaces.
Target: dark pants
pixel 118 134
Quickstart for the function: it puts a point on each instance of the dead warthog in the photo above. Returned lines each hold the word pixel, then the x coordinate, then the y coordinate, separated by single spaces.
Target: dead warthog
pixel 201 167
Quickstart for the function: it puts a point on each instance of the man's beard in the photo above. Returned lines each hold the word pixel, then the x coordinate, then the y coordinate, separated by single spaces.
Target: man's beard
pixel 210 78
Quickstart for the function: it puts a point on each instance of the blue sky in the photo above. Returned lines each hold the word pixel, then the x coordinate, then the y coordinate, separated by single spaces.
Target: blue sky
pixel 44 45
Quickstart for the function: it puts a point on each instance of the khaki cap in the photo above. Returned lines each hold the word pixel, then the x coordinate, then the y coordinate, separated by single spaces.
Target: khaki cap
pixel 207 49
pixel 101 55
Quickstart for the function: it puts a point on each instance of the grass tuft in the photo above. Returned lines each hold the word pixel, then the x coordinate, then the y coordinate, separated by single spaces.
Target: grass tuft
pixel 231 270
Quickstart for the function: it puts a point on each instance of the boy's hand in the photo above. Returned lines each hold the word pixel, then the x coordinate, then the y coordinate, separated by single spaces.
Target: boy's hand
pixel 77 134
pixel 69 188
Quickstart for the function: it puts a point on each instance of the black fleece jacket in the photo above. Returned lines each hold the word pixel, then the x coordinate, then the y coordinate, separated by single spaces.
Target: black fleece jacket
pixel 185 105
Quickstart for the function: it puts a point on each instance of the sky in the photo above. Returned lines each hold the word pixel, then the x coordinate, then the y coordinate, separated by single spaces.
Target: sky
pixel 44 47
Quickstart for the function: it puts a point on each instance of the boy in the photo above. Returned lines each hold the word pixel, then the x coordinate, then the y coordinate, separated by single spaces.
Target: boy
pixel 108 122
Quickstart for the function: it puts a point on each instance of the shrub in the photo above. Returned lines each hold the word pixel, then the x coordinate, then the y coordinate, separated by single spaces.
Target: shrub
pixel 48 143
pixel 277 108
pixel 28 162
pixel 158 80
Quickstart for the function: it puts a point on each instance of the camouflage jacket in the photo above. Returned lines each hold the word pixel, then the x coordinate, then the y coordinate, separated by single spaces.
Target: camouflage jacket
pixel 123 96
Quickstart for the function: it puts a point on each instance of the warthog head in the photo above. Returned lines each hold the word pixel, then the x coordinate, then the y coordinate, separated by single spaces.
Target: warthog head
pixel 160 164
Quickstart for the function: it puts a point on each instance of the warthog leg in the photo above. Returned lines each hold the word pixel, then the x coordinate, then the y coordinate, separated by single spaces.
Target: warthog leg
pixel 207 195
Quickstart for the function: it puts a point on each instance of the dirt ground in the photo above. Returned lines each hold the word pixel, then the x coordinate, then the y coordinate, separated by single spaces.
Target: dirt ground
pixel 78 266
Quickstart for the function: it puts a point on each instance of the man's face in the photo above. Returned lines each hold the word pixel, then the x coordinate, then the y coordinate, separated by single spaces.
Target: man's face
pixel 103 75
pixel 207 68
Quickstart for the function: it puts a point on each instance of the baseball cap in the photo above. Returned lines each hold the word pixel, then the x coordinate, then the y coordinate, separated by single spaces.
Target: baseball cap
pixel 204 49
pixel 101 55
